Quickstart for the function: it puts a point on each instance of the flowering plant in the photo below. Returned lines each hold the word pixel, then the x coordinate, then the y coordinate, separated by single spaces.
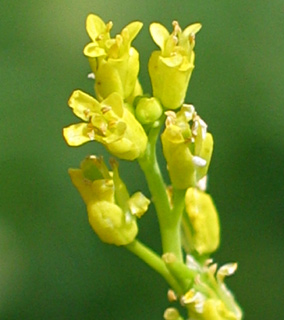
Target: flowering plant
pixel 128 123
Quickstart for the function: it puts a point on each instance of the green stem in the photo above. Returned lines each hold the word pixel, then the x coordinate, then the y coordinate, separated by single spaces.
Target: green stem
pixel 177 211
pixel 169 223
pixel 155 262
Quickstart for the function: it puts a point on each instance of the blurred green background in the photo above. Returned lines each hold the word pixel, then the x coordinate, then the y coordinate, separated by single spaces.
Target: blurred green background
pixel 52 266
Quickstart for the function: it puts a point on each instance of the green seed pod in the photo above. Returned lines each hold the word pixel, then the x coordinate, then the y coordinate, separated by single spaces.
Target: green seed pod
pixel 200 223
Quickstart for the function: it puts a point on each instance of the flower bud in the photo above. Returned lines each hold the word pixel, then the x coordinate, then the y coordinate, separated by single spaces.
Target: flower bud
pixel 209 298
pixel 108 122
pixel 187 149
pixel 200 223
pixel 114 62
pixel 170 68
pixel 148 110
pixel 110 223
pixel 172 314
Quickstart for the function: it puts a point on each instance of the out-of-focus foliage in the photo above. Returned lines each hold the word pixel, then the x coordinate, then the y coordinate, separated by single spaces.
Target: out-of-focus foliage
pixel 51 264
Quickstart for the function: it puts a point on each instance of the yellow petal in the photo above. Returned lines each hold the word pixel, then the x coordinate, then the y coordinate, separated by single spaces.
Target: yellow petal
pixel 133 29
pixel 192 29
pixel 159 34
pixel 173 61
pixel 77 134
pixel 95 26
pixel 83 105
pixel 115 101
pixel 92 50
pixel 83 185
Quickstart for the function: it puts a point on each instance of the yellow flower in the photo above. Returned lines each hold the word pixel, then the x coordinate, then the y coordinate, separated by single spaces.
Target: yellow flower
pixel 113 61
pixel 112 212
pixel 108 122
pixel 187 149
pixel 170 68
pixel 200 223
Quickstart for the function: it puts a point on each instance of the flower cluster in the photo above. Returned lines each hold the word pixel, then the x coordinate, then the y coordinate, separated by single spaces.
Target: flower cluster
pixel 128 123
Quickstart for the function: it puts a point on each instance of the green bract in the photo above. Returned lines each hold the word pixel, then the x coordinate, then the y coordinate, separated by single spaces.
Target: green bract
pixel 187 149
pixel 113 61
pixel 170 68
pixel 108 122
pixel 112 212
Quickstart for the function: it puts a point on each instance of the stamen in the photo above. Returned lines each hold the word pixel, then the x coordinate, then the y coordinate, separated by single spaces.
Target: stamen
pixel 199 162
pixel 191 38
pixel 202 184
pixel 171 296
pixel 91 135
pixel 91 75
pixel 86 113
pixel 105 109
pixel 171 117
pixel 109 26
pixel 176 27
pixel 213 268
pixel 100 37
pixel 112 124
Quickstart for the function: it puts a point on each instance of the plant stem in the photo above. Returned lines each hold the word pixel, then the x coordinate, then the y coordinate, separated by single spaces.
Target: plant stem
pixel 176 214
pixel 169 223
pixel 154 261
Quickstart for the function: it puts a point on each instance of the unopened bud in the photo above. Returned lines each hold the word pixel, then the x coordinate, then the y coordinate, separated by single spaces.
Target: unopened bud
pixel 148 110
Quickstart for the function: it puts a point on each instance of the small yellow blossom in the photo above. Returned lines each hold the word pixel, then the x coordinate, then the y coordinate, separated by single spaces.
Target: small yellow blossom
pixel 114 62
pixel 171 68
pixel 112 212
pixel 108 122
pixel 187 149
